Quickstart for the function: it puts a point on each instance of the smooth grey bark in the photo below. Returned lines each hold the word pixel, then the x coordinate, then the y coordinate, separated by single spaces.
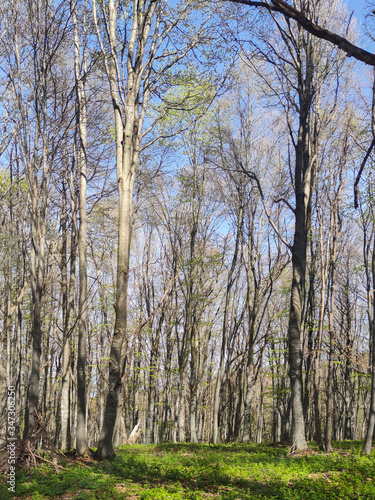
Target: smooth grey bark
pixel 129 116
pixel 66 401
pixel 250 381
pixel 362 55
pixel 317 356
pixel 193 392
pixel 302 64
pixel 181 407
pixel 192 292
pixel 194 381
pixel 128 137
pixel 296 310
pixel 237 418
pixel 335 229
pixel 18 369
pixel 303 184
pixel 166 432
pixel 149 434
pixel 216 405
pixel 148 295
pixel 31 72
pixel 81 121
pixel 345 307
pixel 329 406
pixel 153 374
pixel 366 450
pixel 260 414
pixel 370 278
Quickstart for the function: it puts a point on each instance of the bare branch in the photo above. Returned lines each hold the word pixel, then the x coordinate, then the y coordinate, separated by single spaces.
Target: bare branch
pixel 323 33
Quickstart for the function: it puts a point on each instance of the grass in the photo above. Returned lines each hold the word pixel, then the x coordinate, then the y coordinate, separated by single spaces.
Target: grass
pixel 197 472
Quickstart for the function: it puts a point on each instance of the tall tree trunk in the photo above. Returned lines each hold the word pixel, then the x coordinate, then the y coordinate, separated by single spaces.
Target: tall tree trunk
pixel 37 268
pixel 149 434
pixel 237 418
pixel 329 411
pixel 37 273
pixel 216 406
pixel 252 304
pixel 181 407
pixel 317 356
pixel 194 380
pixel 371 421
pixel 250 382
pixel 129 116
pixel 119 341
pixel 81 432
pixel 297 301
pixel 64 409
pixel 303 183
pixel 230 282
pixel 68 288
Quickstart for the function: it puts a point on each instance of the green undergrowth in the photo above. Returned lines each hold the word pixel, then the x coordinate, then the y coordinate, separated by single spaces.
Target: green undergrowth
pixel 193 472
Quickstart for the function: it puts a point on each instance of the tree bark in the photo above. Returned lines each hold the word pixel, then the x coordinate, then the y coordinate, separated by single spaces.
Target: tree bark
pixel 329 411
pixel 129 115
pixel 366 450
pixel 81 432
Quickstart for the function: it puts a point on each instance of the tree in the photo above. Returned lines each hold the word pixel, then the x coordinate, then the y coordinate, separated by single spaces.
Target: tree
pixel 81 124
pixel 300 79
pixel 134 40
pixel 303 19
pixel 32 55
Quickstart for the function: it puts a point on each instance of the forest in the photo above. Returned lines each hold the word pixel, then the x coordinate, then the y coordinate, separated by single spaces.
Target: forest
pixel 187 225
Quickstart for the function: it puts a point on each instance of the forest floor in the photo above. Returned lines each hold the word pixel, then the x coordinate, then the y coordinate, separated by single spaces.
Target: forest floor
pixel 194 472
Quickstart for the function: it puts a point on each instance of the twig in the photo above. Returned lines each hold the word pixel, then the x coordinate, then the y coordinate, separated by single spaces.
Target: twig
pixel 49 462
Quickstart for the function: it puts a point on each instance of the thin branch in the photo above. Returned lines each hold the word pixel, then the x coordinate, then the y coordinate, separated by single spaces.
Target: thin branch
pixel 358 178
pixel 254 177
pixel 144 323
pixel 283 200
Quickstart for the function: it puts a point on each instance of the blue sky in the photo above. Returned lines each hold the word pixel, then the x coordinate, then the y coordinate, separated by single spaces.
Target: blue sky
pixel 359 7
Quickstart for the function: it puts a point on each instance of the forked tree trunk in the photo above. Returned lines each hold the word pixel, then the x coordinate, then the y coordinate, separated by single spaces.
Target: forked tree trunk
pixel 129 115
